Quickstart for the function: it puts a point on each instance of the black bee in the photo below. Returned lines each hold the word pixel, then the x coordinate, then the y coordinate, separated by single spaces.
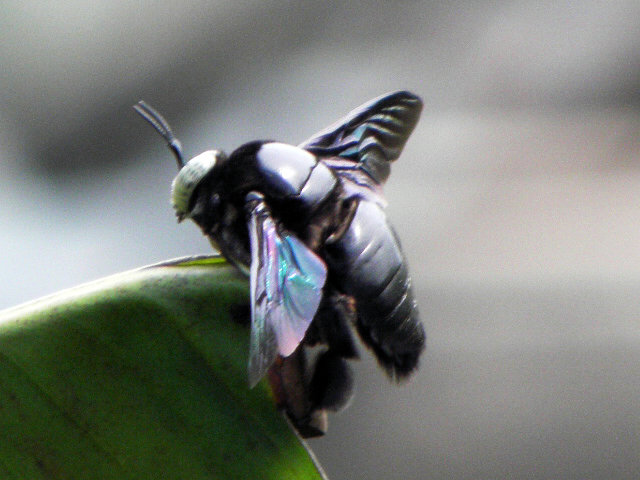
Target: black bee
pixel 307 224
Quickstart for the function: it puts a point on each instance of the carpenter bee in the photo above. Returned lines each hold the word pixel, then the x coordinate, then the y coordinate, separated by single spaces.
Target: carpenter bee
pixel 307 224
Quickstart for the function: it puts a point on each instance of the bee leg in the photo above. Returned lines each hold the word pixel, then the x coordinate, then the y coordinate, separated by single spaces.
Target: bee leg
pixel 305 390
pixel 328 223
pixel 332 385
pixel 290 388
pixel 332 325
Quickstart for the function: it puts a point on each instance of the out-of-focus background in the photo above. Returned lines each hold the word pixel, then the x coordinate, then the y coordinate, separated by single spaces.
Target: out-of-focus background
pixel 517 197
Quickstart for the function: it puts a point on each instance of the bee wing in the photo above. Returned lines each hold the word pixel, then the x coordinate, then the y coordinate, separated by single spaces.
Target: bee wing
pixel 371 136
pixel 286 281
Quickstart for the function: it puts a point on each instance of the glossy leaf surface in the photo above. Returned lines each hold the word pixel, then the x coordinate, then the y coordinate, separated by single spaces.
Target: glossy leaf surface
pixel 140 375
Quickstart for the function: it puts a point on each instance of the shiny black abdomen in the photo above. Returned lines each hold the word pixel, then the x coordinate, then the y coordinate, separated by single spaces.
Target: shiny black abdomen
pixel 367 262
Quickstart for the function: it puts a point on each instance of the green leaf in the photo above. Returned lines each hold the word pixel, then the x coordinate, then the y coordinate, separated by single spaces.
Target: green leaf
pixel 140 375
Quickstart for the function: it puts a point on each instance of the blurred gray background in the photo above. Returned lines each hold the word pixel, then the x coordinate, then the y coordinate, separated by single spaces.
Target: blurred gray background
pixel 517 197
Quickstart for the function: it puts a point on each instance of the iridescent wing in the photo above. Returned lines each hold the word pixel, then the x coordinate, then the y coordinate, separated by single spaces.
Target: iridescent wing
pixel 361 146
pixel 286 281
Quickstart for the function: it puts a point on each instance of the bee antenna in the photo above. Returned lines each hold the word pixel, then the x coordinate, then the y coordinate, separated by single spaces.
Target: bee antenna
pixel 158 122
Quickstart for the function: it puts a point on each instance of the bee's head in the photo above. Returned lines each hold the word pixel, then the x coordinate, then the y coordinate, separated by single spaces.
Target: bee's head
pixel 185 185
pixel 191 174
